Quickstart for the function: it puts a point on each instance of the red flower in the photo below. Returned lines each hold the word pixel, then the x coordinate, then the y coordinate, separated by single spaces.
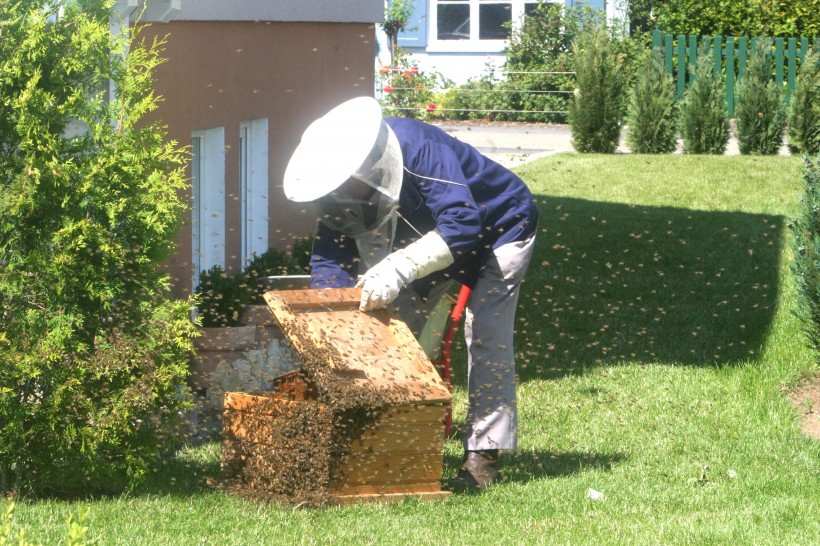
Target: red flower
pixel 412 70
pixel 384 70
pixel 430 107
pixel 388 89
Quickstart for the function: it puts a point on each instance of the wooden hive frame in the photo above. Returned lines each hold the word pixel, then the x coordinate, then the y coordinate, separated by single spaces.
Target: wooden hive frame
pixel 397 456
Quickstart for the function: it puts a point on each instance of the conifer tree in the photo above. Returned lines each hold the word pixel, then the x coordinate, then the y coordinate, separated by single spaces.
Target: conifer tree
pixel 804 111
pixel 806 243
pixel 704 125
pixel 760 113
pixel 595 113
pixel 651 115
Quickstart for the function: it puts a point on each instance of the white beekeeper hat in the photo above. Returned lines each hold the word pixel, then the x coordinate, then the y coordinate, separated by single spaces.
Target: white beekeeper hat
pixel 335 147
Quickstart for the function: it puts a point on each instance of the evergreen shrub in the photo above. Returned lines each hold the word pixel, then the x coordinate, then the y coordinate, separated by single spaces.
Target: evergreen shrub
pixel 651 115
pixel 806 244
pixel 804 111
pixel 93 350
pixel 760 113
pixel 703 122
pixel 595 112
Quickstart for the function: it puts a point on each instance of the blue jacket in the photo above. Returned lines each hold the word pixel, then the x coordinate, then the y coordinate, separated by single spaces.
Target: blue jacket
pixel 485 206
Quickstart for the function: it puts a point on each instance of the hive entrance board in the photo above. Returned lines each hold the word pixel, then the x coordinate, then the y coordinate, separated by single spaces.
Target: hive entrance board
pixel 374 350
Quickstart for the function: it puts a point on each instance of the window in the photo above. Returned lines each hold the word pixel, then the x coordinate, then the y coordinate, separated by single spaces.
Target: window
pixel 484 24
pixel 208 200
pixel 253 187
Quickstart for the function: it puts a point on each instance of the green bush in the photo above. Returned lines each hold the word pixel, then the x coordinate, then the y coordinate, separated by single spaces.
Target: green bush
pixel 651 115
pixel 93 353
pixel 537 80
pixel 806 243
pixel 703 122
pixel 11 534
pixel 474 99
pixel 406 90
pixel 595 113
pixel 760 113
pixel 222 298
pixel 804 111
pixel 788 18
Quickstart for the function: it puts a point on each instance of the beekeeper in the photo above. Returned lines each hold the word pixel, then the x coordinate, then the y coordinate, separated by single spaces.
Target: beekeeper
pixel 404 210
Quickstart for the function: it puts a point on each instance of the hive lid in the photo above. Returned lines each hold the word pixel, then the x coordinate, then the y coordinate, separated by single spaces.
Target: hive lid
pixel 371 349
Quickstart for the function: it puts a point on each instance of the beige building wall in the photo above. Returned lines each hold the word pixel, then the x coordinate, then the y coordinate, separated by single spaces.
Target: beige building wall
pixel 219 74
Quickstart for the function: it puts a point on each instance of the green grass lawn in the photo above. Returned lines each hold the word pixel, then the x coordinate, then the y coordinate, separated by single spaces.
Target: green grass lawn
pixel 655 339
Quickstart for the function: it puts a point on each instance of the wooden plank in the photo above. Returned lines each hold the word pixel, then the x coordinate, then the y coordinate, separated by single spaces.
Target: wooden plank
pixel 386 439
pixel 791 53
pixel 743 54
pixel 389 468
pixel 693 55
pixel 730 76
pixel 374 349
pixel 717 54
pixel 313 299
pixel 416 413
pixel 384 498
pixel 262 403
pixel 432 487
pixel 681 48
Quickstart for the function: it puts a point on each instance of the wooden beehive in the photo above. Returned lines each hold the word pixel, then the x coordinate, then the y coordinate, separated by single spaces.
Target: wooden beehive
pixel 394 453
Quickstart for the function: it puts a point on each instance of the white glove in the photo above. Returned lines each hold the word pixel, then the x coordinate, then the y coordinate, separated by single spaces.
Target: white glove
pixel 382 283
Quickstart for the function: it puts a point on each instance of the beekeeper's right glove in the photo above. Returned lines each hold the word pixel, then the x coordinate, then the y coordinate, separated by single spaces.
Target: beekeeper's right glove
pixel 382 283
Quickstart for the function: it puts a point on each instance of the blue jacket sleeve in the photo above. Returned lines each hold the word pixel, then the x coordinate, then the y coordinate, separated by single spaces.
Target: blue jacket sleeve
pixel 438 176
pixel 335 260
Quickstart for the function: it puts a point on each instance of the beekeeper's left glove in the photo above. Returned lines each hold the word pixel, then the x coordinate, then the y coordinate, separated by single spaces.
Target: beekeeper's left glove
pixel 382 283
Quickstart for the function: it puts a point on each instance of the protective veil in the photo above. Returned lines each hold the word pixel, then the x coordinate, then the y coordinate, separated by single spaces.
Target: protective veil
pixel 352 141
pixel 372 219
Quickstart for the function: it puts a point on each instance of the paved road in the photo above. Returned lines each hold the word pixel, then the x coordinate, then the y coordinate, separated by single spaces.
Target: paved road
pixel 512 144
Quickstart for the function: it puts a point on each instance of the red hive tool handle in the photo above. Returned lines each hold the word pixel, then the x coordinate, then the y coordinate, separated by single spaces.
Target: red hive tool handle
pixel 444 364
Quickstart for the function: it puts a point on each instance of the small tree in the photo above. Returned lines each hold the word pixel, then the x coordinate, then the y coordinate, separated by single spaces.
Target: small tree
pixel 804 110
pixel 396 18
pixel 595 113
pixel 703 122
pixel 651 109
pixel 760 114
pixel 806 267
pixel 93 353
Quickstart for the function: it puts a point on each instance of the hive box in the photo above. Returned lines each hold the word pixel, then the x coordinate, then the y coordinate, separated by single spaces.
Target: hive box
pixel 393 453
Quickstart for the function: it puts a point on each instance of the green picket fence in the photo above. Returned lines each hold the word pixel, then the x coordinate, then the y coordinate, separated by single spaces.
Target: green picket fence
pixel 730 55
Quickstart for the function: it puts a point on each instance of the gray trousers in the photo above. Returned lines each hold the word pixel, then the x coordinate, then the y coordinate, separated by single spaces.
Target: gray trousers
pixel 492 416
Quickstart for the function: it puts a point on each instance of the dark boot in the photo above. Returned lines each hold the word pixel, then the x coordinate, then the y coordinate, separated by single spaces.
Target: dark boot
pixel 477 472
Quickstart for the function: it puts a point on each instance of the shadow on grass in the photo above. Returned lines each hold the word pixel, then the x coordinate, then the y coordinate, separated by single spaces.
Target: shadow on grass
pixel 184 473
pixel 523 466
pixel 611 283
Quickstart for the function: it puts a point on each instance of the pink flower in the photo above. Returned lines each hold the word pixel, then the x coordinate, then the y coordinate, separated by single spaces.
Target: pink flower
pixel 388 89
pixel 430 107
